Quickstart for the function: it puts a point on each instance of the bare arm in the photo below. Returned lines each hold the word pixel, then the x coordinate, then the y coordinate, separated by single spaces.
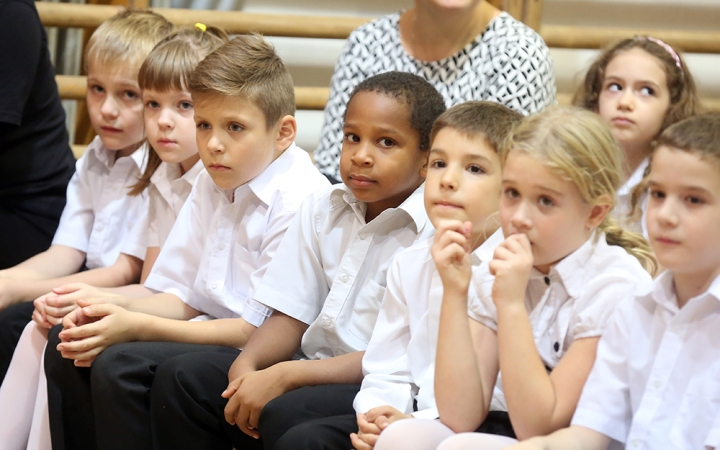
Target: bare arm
pixel 539 403
pixel 573 438
pixel 125 270
pixel 57 261
pixel 150 257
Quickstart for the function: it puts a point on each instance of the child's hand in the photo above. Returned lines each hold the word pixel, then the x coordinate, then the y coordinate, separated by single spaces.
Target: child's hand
pixel 372 423
pixel 451 252
pixel 73 292
pixel 511 266
pixel 92 328
pixel 250 393
pixel 39 315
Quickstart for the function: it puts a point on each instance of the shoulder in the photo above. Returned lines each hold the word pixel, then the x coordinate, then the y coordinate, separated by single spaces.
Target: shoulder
pixel 416 256
pixel 294 177
pixel 377 27
pixel 508 36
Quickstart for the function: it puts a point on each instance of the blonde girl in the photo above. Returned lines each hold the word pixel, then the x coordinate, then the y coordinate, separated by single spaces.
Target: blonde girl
pixel 171 169
pixel 639 86
pixel 545 298
pixel 655 381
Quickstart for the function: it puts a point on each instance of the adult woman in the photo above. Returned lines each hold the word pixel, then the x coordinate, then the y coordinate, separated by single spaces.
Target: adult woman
pixel 467 49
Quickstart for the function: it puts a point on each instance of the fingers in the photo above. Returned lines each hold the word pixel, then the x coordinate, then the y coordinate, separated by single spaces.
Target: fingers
pixel 359 444
pixel 232 388
pixel 231 409
pixel 82 350
pixel 242 421
pixel 77 333
pixel 70 287
pixel 366 426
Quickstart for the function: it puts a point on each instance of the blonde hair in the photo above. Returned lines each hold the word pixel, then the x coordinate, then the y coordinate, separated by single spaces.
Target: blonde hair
pixel 578 146
pixel 126 38
pixel 486 120
pixel 247 67
pixel 168 68
pixel 684 100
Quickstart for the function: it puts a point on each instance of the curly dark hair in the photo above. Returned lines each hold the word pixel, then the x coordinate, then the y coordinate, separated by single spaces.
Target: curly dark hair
pixel 424 102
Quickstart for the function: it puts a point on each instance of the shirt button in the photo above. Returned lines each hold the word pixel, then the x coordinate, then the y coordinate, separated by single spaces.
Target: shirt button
pixel 340 352
pixel 327 321
pixel 214 285
pixel 362 236
pixel 635 443
pixel 221 246
pixel 657 385
pixel 344 278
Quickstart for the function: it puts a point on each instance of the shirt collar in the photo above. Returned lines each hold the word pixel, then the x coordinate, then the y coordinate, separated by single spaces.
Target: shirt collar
pixel 634 179
pixel 663 291
pixel 572 269
pixel 171 172
pixel 108 157
pixel 269 181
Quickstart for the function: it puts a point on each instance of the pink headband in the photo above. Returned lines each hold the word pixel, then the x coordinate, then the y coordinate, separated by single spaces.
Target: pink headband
pixel 667 48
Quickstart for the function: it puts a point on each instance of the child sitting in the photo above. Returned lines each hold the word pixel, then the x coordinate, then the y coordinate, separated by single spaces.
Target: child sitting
pixel 223 239
pixel 462 194
pixel 325 286
pixel 655 380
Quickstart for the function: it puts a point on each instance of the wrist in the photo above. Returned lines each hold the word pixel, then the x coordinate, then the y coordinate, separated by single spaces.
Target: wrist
pixel 240 367
pixel 140 327
pixel 287 377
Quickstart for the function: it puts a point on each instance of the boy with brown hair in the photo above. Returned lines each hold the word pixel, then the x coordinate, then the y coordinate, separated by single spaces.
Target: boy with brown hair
pixel 209 268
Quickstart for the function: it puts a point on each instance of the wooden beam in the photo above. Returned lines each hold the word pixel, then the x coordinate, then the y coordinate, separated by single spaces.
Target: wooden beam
pixel 532 14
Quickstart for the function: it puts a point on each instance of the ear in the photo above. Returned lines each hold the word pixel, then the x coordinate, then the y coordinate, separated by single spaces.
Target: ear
pixel 598 212
pixel 286 131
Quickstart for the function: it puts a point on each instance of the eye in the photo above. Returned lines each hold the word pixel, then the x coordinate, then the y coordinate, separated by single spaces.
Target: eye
pixel 694 200
pixel 386 142
pixel 647 91
pixel 185 105
pixel 235 127
pixel 511 193
pixel 545 201
pixel 352 137
pixel 203 126
pixel 130 95
pixel 474 168
pixel 613 87
pixel 438 164
pixel 152 104
pixel 657 194
pixel 96 89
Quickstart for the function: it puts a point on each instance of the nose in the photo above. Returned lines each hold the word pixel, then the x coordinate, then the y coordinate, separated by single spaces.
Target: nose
pixel 214 145
pixel 109 108
pixel 362 156
pixel 666 212
pixel 449 179
pixel 627 100
pixel 165 119
pixel 520 218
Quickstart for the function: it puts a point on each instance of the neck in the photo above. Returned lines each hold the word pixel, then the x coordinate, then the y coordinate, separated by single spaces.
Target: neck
pixel 431 33
pixel 189 163
pixel 635 155
pixel 689 285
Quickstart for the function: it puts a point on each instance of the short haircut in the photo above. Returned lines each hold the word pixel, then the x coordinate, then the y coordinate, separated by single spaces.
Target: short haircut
pixel 487 120
pixel 126 38
pixel 698 134
pixel 424 102
pixel 247 67
pixel 172 61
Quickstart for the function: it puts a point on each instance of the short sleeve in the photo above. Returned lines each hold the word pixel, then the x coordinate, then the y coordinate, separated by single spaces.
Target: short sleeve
pixel 604 404
pixel 521 74
pixel 480 305
pixel 78 216
pixel 153 233
pixel 295 282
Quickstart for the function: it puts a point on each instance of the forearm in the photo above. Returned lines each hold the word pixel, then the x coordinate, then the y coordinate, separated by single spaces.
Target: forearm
pixel 458 386
pixel 344 369
pixel 164 305
pixel 529 392
pixel 224 332
pixel 57 261
pixel 130 291
pixel 276 340
pixel 572 438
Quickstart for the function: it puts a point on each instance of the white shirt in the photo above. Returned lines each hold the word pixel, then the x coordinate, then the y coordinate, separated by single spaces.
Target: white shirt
pixel 624 194
pixel 330 269
pixel 168 191
pixel 574 301
pixel 99 218
pixel 222 241
pixel 399 363
pixel 656 380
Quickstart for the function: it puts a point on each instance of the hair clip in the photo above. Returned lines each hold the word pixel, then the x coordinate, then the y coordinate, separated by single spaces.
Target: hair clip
pixel 667 48
pixel 201 26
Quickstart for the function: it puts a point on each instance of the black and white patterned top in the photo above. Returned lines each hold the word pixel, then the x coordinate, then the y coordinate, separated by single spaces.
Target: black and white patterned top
pixel 508 63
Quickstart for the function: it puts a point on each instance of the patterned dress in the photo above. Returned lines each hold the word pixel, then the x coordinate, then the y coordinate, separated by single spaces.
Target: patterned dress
pixel 508 63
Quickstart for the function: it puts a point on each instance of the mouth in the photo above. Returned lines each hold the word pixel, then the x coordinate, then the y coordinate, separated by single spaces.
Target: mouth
pixel 166 142
pixel 622 121
pixel 109 129
pixel 446 204
pixel 360 181
pixel 218 167
pixel 666 241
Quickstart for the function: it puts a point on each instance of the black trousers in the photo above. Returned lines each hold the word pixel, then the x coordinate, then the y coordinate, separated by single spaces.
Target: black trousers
pixel 108 406
pixel 24 234
pixel 13 320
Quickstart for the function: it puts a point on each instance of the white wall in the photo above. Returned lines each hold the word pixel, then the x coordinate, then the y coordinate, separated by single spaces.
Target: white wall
pixel 311 61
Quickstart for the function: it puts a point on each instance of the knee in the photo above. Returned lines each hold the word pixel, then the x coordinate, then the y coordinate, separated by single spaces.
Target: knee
pixel 303 436
pixel 53 360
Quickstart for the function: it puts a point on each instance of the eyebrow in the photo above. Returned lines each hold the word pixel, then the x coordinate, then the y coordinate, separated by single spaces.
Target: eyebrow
pixel 692 188
pixel 467 156
pixel 646 81
pixel 537 186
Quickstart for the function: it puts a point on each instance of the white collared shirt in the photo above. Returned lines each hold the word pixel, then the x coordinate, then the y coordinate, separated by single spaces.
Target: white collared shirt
pixel 222 241
pixel 168 191
pixel 330 269
pixel 99 218
pixel 656 380
pixel 575 300
pixel 399 363
pixel 624 194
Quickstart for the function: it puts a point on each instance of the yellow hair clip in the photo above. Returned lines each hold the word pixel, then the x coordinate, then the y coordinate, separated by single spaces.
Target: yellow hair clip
pixel 201 26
